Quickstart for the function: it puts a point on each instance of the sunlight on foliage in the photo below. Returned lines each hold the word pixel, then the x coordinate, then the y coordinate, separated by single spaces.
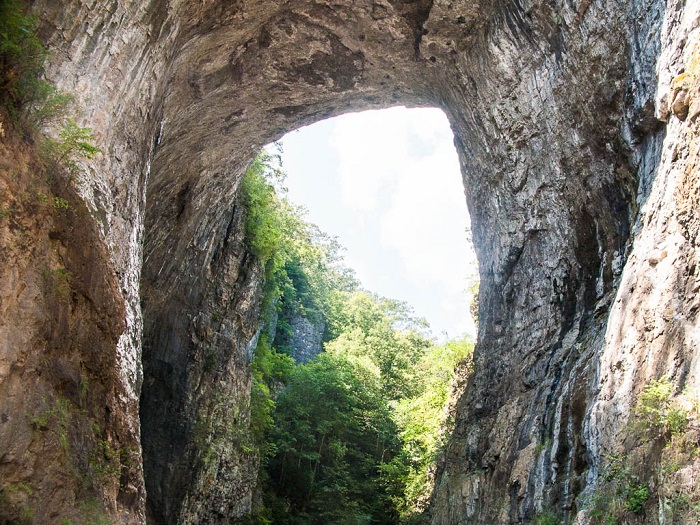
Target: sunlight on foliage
pixel 33 103
pixel 657 412
pixel 652 474
pixel 73 144
pixel 353 435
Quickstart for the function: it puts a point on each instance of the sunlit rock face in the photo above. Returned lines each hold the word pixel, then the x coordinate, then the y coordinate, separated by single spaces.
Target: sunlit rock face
pixel 580 171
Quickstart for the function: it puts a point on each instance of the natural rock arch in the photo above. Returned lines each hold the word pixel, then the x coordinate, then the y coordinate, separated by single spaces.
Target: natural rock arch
pixel 553 128
pixel 546 196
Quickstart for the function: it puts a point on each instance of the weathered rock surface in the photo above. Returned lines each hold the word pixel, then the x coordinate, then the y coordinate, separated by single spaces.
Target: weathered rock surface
pixel 69 443
pixel 577 133
pixel 306 337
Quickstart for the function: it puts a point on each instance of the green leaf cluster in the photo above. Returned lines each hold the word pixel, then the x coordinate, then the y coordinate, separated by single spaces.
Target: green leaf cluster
pixel 22 56
pixel 32 101
pixel 635 494
pixel 269 369
pixel 622 493
pixel 664 439
pixel 264 223
pixel 73 144
pixel 355 432
pixel 332 430
pixel 423 421
pixel 656 411
pixel 303 267
pixel 383 335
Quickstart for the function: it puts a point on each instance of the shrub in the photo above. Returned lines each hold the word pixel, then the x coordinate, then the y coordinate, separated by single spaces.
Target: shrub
pixel 263 224
pixel 656 411
pixel 31 100
pixel 22 57
pixel 73 144
pixel 545 518
pixel 635 496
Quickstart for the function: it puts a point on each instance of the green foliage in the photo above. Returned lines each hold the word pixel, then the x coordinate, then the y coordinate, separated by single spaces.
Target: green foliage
pixel 57 419
pixel 421 418
pixel 676 420
pixel 26 515
pixel 264 225
pixel 649 471
pixel 60 203
pixel 542 446
pixel 303 270
pixel 73 144
pixel 50 105
pixel 350 437
pixel 654 402
pixel 22 56
pixel 635 495
pixel 545 518
pixel 269 369
pixel 384 333
pixel 14 508
pixel 332 429
pixel 339 432
pixel 24 487
pixel 104 462
pixel 31 100
pixel 656 411
pixel 622 491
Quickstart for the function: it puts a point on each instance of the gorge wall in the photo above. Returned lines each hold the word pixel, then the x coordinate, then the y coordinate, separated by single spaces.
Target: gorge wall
pixel 576 126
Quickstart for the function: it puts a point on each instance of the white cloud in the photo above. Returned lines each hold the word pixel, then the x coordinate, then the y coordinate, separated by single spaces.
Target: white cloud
pixel 402 213
pixel 367 145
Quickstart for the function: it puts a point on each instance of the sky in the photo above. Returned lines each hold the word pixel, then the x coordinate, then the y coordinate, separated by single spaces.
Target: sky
pixel 387 184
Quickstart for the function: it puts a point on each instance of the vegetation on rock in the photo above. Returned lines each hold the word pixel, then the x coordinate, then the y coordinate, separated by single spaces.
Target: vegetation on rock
pixel 30 100
pixel 663 427
pixel 42 220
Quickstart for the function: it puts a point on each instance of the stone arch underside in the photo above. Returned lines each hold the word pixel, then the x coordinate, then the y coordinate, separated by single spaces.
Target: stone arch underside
pixel 553 128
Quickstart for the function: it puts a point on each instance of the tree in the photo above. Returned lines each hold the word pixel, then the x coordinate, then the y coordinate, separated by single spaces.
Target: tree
pixel 348 438
pixel 385 332
pixel 332 431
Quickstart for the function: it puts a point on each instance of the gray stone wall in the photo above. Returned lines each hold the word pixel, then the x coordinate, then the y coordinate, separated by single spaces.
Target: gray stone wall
pixel 307 338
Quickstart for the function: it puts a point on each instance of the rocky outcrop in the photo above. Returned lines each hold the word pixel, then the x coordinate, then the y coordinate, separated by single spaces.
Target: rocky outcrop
pixel 575 126
pixel 304 337
pixel 578 359
pixel 307 338
pixel 195 412
pixel 69 442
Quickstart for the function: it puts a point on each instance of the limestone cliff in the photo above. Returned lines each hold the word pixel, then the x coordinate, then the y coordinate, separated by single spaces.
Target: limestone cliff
pixel 305 338
pixel 576 126
pixel 69 442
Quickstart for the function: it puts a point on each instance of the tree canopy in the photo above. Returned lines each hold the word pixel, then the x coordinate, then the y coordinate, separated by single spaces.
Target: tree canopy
pixel 351 436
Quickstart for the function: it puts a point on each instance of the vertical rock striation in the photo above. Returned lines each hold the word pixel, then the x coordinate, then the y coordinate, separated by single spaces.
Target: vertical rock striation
pixel 551 148
pixel 576 127
pixel 110 56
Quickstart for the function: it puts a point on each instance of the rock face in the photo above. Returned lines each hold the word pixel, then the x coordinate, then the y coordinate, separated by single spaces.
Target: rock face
pixel 576 126
pixel 306 339
pixel 69 442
